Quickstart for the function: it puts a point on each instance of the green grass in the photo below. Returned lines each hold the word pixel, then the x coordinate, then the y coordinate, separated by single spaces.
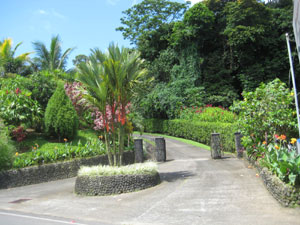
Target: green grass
pixel 149 142
pixel 134 169
pixel 45 144
pixel 194 143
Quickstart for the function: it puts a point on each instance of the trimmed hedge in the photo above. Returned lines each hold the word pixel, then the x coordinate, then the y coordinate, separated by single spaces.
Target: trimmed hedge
pixel 194 130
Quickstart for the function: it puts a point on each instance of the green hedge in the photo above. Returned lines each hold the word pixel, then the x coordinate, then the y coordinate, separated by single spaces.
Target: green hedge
pixel 194 130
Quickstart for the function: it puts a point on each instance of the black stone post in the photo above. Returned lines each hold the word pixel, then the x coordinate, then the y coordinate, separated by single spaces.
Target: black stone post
pixel 138 149
pixel 160 150
pixel 215 146
pixel 238 145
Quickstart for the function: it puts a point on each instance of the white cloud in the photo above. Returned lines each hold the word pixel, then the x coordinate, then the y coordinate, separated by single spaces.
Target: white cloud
pixel 52 13
pixel 42 12
pixel 57 14
pixel 112 2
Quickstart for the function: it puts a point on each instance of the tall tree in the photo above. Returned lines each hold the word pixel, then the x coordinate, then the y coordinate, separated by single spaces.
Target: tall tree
pixel 53 58
pixel 149 24
pixel 109 79
pixel 8 62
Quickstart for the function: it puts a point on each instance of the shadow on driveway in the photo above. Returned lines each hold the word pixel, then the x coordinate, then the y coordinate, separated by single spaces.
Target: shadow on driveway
pixel 174 176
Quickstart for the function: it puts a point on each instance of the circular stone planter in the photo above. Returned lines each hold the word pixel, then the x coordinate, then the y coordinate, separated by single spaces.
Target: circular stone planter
pixel 117 184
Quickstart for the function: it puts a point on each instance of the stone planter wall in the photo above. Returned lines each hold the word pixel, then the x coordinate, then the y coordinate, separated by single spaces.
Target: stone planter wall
pixel 109 185
pixel 54 171
pixel 285 194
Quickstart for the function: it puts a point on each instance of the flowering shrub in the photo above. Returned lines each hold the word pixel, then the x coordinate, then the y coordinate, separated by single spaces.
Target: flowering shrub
pixel 92 147
pixel 87 112
pixel 18 133
pixel 119 117
pixel 207 114
pixel 282 159
pixel 18 108
pixel 266 111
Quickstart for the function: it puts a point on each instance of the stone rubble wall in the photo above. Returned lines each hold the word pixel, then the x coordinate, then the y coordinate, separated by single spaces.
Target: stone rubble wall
pixel 285 194
pixel 117 184
pixel 53 171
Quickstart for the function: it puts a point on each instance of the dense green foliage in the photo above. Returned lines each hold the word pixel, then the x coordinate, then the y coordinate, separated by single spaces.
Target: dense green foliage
pixel 283 162
pixel 194 130
pixel 7 150
pixel 267 111
pixel 208 114
pixel 42 87
pixel 267 119
pixel 61 119
pixel 17 105
pixel 92 147
pixel 215 49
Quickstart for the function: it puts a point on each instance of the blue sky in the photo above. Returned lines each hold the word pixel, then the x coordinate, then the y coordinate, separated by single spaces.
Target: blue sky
pixel 83 24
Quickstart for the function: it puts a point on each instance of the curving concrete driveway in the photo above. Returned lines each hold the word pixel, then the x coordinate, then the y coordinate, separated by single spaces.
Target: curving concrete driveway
pixel 194 190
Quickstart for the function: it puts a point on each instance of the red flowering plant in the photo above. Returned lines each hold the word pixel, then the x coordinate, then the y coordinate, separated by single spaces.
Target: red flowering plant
pixel 108 80
pixel 74 91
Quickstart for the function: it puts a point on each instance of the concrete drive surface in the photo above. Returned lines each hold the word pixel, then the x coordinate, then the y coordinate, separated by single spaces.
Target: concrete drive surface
pixel 195 190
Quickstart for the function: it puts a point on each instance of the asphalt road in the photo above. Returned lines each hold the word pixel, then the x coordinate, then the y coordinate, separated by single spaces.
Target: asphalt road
pixel 195 190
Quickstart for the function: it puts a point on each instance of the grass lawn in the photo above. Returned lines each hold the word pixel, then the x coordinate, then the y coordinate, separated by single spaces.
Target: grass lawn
pixel 45 144
pixel 194 143
pixel 197 144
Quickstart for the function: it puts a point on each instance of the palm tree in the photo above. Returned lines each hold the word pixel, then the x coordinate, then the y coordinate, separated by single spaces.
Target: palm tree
pixel 8 62
pixel 109 79
pixel 53 58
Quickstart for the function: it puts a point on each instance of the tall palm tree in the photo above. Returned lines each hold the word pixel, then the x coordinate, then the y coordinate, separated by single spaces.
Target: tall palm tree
pixel 8 62
pixel 53 58
pixel 109 79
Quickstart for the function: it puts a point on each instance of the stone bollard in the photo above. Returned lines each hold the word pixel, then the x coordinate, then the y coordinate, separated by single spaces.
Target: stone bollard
pixel 238 145
pixel 160 150
pixel 138 150
pixel 215 146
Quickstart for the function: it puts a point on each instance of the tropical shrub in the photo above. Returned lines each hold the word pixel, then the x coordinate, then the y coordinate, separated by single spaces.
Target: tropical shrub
pixel 42 86
pixel 108 80
pixel 91 148
pixel 264 112
pixel 61 119
pixel 7 150
pixel 17 106
pixel 282 159
pixel 74 90
pixel 208 114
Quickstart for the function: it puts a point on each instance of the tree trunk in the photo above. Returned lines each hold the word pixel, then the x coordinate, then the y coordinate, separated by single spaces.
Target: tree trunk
pixel 106 136
pixel 121 144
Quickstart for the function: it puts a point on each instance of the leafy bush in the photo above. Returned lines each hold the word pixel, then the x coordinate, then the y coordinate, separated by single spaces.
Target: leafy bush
pixel 196 131
pixel 6 149
pixel 17 106
pixel 61 119
pixel 208 114
pixel 42 86
pixel 266 111
pixel 92 147
pixel 282 159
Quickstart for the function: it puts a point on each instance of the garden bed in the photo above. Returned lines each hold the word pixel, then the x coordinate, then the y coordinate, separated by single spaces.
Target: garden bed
pixel 53 171
pixel 285 194
pixel 116 180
